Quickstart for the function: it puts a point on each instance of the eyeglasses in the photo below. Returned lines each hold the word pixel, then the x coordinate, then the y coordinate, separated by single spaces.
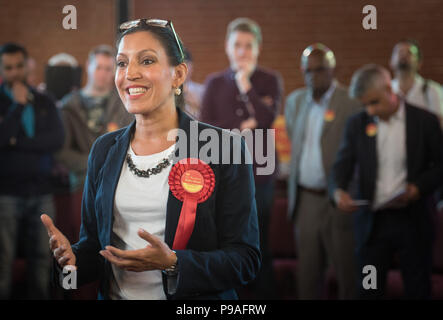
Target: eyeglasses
pixel 125 26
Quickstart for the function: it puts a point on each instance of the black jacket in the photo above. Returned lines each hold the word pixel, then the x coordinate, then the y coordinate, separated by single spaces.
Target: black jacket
pixel 424 153
pixel 223 250
pixel 26 163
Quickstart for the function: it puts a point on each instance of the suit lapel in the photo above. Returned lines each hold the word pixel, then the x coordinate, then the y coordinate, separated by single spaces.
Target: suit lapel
pixel 369 149
pixel 410 138
pixel 330 121
pixel 174 205
pixel 112 169
pixel 173 209
pixel 333 108
pixel 300 125
pixel 5 101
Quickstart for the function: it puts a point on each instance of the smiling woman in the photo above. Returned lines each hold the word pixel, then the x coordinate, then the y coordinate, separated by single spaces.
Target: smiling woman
pixel 164 58
pixel 148 230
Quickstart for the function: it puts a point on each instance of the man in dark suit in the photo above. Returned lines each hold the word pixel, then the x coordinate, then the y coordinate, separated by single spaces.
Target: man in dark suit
pixel 398 150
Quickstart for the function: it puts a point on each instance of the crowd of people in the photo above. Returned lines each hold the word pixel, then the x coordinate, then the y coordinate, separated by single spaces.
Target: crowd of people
pixel 366 168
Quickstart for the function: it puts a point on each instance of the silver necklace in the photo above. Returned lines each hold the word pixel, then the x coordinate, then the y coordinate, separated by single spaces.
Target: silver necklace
pixel 164 163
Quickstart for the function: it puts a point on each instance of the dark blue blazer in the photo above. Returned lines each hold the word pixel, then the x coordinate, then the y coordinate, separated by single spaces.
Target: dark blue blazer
pixel 223 251
pixel 424 153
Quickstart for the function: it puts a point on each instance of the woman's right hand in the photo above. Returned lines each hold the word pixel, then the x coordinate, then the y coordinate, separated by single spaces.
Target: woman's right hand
pixel 58 243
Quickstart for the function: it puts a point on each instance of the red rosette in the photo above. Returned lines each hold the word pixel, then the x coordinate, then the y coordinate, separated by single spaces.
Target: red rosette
pixel 191 181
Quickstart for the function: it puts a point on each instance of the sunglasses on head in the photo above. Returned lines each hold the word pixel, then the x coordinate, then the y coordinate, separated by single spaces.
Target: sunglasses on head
pixel 125 26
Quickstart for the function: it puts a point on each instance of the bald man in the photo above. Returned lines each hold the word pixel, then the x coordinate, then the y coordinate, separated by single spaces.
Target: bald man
pixel 315 117
pixel 398 150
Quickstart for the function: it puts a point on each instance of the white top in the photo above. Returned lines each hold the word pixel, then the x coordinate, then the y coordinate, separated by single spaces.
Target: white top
pixel 430 99
pixel 139 203
pixel 391 157
pixel 311 172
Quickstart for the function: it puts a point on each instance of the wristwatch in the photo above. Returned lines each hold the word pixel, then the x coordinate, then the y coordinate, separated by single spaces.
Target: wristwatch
pixel 172 270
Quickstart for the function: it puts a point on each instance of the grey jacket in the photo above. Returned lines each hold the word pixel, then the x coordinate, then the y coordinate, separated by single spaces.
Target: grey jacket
pixel 296 115
pixel 79 138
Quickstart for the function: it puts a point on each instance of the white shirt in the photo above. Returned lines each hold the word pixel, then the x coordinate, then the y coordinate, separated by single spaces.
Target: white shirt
pixel 139 203
pixel 391 157
pixel 430 99
pixel 311 171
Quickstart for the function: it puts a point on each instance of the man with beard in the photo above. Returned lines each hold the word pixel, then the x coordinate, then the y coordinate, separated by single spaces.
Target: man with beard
pixel 406 61
pixel 30 132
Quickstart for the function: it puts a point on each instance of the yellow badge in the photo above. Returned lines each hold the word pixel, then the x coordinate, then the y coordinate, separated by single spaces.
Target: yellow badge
pixel 112 126
pixel 329 115
pixel 371 129
pixel 192 181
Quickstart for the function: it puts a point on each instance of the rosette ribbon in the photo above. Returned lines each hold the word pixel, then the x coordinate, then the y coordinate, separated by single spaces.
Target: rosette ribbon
pixel 191 181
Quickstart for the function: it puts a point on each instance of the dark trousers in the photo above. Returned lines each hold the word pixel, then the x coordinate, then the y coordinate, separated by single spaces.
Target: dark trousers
pixel 20 220
pixel 396 232
pixel 264 287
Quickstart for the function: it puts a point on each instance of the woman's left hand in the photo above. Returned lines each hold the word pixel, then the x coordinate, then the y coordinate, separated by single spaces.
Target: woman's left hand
pixel 155 256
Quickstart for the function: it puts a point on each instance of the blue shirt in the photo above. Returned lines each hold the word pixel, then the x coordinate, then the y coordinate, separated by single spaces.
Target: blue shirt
pixel 27 116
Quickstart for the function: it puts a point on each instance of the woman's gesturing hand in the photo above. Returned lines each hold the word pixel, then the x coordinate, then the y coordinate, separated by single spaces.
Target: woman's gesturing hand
pixel 58 243
pixel 155 256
